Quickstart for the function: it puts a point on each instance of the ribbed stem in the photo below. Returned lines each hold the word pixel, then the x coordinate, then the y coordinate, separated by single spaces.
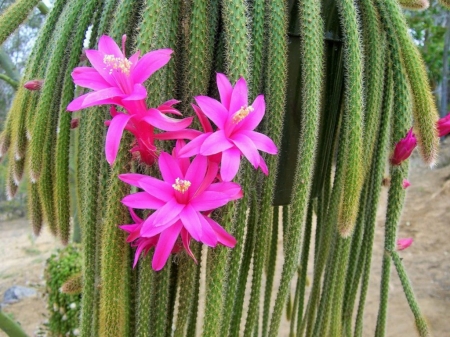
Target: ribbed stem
pixel 311 74
pixel 271 263
pixel 49 95
pixel 249 244
pixel 235 255
pixel 378 167
pixel 113 312
pixel 424 111
pixel 193 307
pixel 14 16
pixel 353 116
pixel 144 299
pixel 161 286
pixel 421 323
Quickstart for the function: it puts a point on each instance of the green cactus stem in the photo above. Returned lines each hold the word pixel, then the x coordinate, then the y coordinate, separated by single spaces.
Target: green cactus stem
pixel 14 16
pixel 12 82
pixel 421 323
pixel 113 312
pixel 376 176
pixel 425 111
pixel 414 5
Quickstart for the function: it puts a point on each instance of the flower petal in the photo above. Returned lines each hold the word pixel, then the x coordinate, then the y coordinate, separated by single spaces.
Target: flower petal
pixel 171 210
pixel 96 59
pixel 215 143
pixel 208 237
pixel 94 97
pixel 209 200
pixel 190 219
pixel 158 188
pixel 254 118
pixel 196 173
pixel 263 166
pixel 114 135
pixel 193 147
pixel 139 92
pixel 180 134
pixel 88 77
pixel 186 238
pixel 170 170
pixel 132 178
pixel 233 190
pixel 142 200
pixel 239 97
pixel 204 121
pixel 229 167
pixel 163 122
pixel 109 47
pixel 225 89
pixel 222 235
pixel 213 109
pixel 165 245
pixel 149 63
pixel 247 147
pixel 261 141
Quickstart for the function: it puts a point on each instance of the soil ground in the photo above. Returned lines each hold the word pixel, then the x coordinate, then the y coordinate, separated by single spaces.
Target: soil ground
pixel 425 219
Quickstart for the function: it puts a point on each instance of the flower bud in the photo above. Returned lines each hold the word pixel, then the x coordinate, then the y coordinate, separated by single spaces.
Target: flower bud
pixel 404 243
pixel 406 183
pixel 74 123
pixel 443 126
pixel 34 85
pixel 404 148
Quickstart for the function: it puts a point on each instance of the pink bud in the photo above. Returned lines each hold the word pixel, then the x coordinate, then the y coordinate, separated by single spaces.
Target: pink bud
pixel 406 183
pixel 404 148
pixel 443 126
pixel 404 243
pixel 74 123
pixel 34 85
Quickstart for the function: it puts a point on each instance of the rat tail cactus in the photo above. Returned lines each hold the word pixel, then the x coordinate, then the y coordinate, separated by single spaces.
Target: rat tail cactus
pixel 204 139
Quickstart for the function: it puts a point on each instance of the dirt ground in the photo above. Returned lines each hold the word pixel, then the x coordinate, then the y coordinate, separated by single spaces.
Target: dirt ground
pixel 425 218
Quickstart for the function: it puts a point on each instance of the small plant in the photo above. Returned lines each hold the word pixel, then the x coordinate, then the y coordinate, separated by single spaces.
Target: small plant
pixel 63 308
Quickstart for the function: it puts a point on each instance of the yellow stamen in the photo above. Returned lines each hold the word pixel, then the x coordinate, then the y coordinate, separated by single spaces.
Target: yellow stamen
pixel 181 185
pixel 242 113
pixel 117 63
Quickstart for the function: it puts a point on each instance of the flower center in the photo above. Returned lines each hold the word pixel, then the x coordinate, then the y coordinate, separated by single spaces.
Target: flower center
pixel 117 63
pixel 181 185
pixel 242 113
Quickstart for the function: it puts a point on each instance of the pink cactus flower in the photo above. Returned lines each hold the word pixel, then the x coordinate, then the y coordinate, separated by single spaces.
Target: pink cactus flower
pixel 114 78
pixel 181 200
pixel 406 183
pixel 119 81
pixel 404 243
pixel 235 121
pixel 34 85
pixel 404 148
pixel 144 244
pixel 443 126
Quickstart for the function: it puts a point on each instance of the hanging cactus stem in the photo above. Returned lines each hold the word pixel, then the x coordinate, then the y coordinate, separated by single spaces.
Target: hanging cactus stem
pixel 170 133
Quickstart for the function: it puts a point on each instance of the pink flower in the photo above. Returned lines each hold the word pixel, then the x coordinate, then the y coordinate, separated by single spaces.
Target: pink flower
pixel 118 80
pixel 443 126
pixel 404 243
pixel 180 200
pixel 404 148
pixel 114 78
pixel 144 244
pixel 235 121
pixel 406 183
pixel 34 85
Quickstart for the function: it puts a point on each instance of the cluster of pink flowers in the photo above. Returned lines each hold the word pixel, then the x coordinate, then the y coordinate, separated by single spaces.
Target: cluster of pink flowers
pixel 190 190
